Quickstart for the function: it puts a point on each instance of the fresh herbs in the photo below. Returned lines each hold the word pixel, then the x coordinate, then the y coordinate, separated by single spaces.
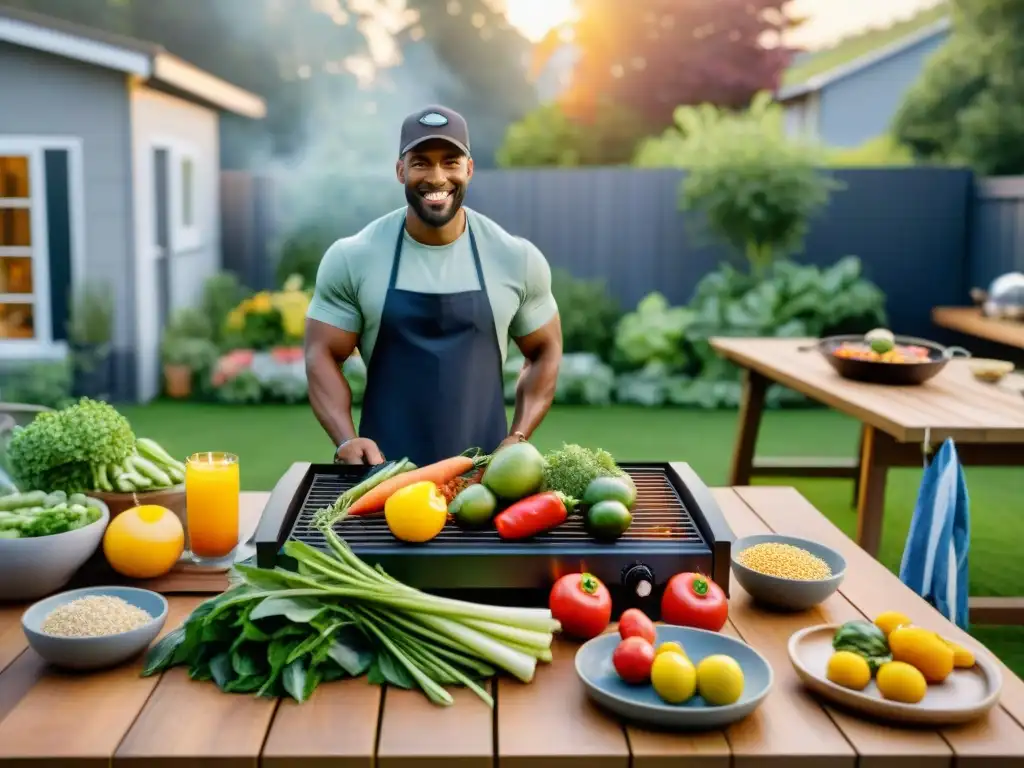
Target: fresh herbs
pixel 282 632
pixel 571 468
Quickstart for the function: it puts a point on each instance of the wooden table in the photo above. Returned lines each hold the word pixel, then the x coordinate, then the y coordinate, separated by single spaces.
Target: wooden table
pixel 969 320
pixel 117 717
pixel 985 420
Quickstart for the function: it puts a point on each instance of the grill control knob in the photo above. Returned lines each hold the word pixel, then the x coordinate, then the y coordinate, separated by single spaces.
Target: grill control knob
pixel 638 578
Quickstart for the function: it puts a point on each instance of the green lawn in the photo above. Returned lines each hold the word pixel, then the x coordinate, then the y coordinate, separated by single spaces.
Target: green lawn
pixel 268 438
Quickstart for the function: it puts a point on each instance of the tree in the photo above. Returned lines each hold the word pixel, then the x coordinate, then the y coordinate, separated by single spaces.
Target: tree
pixel 653 55
pixel 968 104
pixel 756 187
pixel 549 137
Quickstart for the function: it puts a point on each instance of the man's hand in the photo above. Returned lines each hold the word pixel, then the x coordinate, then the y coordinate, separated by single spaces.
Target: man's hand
pixel 510 440
pixel 359 450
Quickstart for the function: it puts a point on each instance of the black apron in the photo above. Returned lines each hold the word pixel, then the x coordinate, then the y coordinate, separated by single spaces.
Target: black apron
pixel 434 384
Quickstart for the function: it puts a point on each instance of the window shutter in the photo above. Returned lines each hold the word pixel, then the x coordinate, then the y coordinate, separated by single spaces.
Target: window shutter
pixel 58 214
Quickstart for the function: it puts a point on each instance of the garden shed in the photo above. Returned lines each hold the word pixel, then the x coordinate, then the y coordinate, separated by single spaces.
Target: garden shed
pixel 109 177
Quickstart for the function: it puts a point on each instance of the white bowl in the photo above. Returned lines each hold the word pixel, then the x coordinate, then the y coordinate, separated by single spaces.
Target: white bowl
pixel 32 568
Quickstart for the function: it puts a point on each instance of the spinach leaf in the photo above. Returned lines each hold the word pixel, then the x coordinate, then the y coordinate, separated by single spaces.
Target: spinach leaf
pixel 251 632
pixel 350 653
pixel 300 610
pixel 387 669
pixel 200 671
pixel 294 679
pixel 161 655
pixel 244 663
pixel 247 684
pixel 220 668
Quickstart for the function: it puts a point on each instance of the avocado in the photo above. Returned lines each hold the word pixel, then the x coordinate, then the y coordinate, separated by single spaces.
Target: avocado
pixel 473 507
pixel 514 472
pixel 607 488
pixel 608 520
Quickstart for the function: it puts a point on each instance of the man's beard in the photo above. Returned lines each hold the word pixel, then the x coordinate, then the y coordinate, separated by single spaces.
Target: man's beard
pixel 429 214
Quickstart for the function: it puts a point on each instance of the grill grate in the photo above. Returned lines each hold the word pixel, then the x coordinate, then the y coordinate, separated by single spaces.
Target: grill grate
pixel 659 517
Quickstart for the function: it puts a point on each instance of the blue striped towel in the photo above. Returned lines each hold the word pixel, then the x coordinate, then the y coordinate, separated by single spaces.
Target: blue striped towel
pixel 935 556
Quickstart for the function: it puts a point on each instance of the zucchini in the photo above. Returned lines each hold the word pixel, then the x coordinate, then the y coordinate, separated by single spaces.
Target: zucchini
pixel 147 468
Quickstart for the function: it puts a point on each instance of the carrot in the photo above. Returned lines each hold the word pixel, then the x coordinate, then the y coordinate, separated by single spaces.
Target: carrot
pixel 439 473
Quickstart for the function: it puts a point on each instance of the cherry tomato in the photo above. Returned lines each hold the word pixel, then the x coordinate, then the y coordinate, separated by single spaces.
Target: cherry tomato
pixel 634 623
pixel 582 604
pixel 692 600
pixel 633 659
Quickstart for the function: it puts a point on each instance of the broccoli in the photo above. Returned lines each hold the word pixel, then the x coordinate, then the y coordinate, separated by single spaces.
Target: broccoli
pixel 59 449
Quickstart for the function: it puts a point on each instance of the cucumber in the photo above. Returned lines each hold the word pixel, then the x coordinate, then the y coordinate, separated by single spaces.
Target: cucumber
pixel 148 469
pixel 22 500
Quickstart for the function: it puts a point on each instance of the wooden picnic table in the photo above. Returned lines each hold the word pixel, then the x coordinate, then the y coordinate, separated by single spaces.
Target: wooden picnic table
pixel 899 425
pixel 969 320
pixel 115 717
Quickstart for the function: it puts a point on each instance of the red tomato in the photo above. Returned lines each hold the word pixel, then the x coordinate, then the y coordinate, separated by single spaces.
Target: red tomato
pixel 691 600
pixel 634 623
pixel 582 604
pixel 633 658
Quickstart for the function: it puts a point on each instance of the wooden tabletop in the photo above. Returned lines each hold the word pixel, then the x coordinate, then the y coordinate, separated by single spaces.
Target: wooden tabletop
pixel 48 718
pixel 953 404
pixel 969 320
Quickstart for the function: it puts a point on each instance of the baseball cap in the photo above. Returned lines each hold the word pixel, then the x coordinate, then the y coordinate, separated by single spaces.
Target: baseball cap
pixel 434 122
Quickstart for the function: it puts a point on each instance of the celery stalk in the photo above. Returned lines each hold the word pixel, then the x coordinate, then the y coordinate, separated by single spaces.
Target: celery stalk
pixel 512 661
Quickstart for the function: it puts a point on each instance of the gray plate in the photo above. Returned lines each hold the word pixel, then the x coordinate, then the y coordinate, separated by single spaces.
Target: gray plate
pixel 640 703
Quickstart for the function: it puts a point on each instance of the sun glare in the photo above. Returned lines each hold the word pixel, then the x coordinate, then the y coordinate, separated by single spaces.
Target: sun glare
pixel 534 18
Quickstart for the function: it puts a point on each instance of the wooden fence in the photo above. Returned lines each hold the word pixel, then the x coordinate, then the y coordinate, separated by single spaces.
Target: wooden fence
pixel 926 236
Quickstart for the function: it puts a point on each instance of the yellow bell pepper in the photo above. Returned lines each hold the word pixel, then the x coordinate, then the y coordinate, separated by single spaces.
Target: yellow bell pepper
pixel 416 513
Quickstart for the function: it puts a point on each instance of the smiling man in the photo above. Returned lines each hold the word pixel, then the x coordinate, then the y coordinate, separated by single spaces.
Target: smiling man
pixel 430 294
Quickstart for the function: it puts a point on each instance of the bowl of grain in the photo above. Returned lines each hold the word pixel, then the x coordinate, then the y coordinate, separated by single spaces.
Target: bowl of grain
pixel 94 627
pixel 787 572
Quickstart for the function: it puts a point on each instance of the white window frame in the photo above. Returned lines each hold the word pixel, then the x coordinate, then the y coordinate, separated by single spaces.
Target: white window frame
pixel 184 237
pixel 43 346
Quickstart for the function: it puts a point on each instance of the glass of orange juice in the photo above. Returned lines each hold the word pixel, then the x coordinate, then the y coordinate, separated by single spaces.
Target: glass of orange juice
pixel 211 506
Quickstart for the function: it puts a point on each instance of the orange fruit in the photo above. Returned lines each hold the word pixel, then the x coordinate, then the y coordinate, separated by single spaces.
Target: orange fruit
pixel 144 542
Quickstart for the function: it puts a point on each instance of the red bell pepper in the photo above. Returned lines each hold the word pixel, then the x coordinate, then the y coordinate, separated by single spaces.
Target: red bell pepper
pixel 534 514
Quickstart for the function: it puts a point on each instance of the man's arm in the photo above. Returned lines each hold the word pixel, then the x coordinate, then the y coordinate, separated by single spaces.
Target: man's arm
pixel 535 389
pixel 537 330
pixel 330 396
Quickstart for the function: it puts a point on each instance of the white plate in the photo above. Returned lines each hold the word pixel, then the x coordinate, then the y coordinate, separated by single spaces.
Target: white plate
pixel 965 695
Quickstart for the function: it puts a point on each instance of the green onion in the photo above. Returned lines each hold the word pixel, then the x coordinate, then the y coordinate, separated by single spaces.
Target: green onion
pixel 293 625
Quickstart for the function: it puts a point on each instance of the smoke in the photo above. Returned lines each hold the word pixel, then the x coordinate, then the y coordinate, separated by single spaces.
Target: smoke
pixel 343 174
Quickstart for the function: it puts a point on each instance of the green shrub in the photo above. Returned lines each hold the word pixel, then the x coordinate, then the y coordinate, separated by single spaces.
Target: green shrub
pixel 653 333
pixel 588 313
pixel 47 384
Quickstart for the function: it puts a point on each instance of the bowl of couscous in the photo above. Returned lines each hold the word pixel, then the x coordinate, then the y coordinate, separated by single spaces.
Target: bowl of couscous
pixel 787 572
pixel 94 627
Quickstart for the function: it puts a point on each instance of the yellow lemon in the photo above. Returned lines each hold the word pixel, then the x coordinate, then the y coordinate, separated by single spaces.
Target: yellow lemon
pixel 416 513
pixel 719 680
pixel 670 647
pixel 673 677
pixel 900 681
pixel 890 620
pixel 849 670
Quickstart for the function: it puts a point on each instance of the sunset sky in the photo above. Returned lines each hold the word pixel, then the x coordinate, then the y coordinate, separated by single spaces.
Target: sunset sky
pixel 829 19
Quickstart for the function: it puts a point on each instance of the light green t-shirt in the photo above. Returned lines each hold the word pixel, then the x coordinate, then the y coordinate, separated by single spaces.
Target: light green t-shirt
pixel 352 280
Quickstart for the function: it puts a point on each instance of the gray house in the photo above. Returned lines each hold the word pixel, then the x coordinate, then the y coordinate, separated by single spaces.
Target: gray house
pixel 109 174
pixel 849 94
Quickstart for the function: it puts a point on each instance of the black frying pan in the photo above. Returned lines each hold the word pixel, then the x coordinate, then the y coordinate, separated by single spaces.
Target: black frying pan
pixel 892 374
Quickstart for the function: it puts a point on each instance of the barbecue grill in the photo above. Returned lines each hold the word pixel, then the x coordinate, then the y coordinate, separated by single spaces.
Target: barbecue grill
pixel 677 526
